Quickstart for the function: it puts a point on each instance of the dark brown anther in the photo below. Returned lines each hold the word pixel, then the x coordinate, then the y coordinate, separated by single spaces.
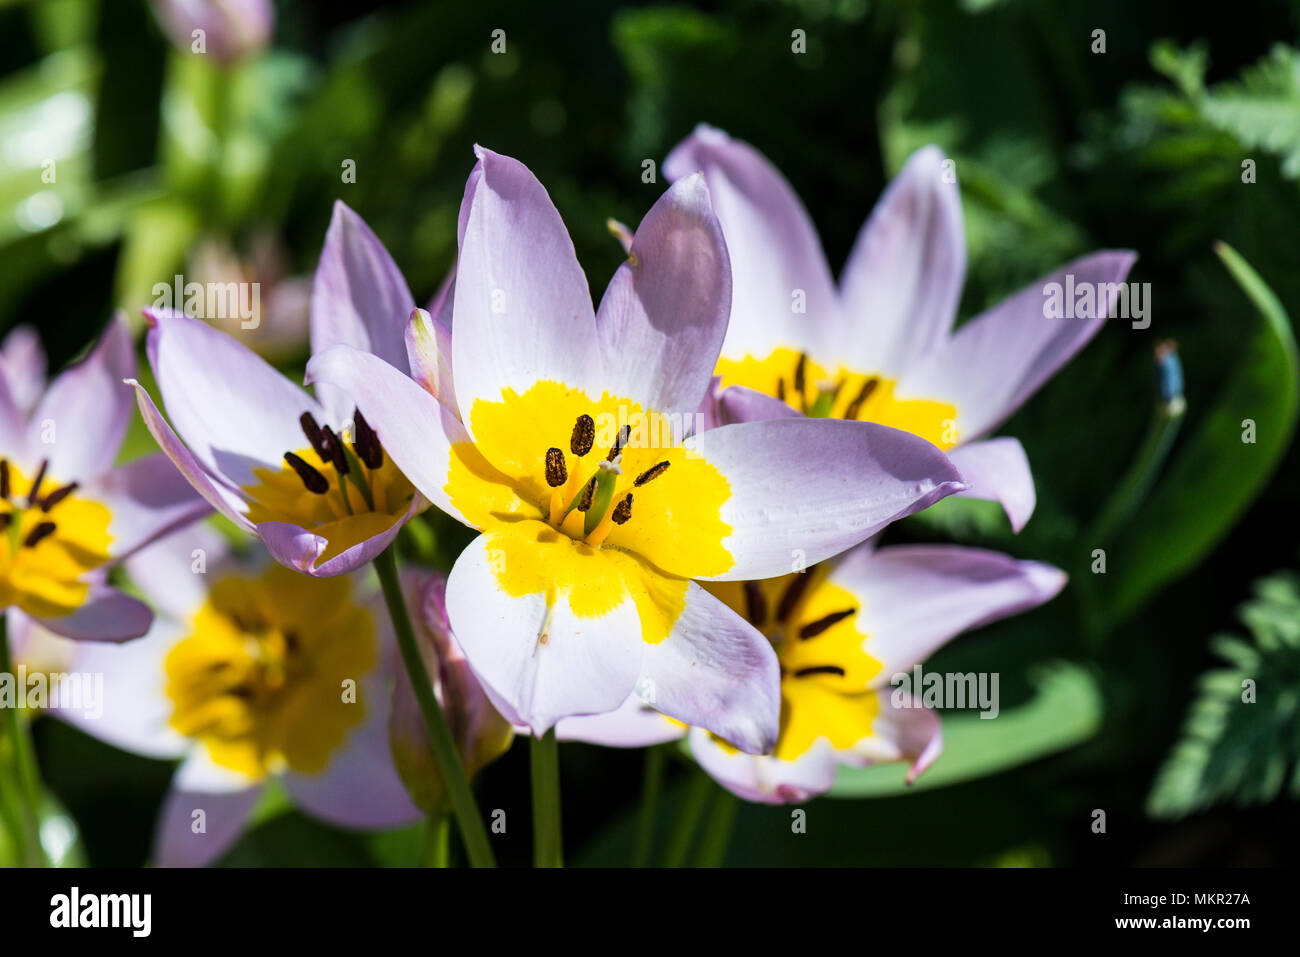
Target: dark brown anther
pixel 38 534
pixel 755 603
pixel 367 446
pixel 311 479
pixel 780 389
pixel 58 495
pixel 800 371
pixel 34 494
pixel 864 393
pixel 790 598
pixel 619 442
pixel 6 519
pixel 815 628
pixel 653 472
pixel 313 433
pixel 819 670
pixel 623 510
pixel 588 493
pixel 584 435
pixel 334 450
pixel 556 473
pixel 4 479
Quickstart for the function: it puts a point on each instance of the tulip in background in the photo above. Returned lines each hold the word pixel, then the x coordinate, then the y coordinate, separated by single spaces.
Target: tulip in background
pixel 843 631
pixel 880 346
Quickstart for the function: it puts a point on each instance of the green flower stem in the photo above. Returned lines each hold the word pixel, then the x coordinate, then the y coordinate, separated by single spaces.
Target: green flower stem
pixel 717 830
pixel 652 785
pixel 688 820
pixel 472 832
pixel 545 762
pixel 437 841
pixel 22 759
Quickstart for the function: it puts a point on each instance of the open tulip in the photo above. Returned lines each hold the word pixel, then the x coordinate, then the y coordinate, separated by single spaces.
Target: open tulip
pixel 571 446
pixel 67 513
pixel 843 631
pixel 880 347
pixel 305 474
pixel 251 672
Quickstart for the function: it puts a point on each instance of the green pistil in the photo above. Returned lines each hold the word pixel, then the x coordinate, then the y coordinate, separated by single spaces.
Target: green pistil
pixel 357 473
pixel 600 502
pixel 821 407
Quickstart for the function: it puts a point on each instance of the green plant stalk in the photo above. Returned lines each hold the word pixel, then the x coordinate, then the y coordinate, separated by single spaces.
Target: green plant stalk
pixel 472 832
pixel 544 760
pixel 650 789
pixel 697 799
pixel 437 841
pixel 24 766
pixel 1134 488
pixel 717 830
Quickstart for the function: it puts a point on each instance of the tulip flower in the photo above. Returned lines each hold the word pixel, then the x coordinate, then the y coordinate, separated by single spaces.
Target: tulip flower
pixel 230 29
pixel 843 632
pixel 481 734
pixel 571 448
pixel 251 673
pixel 881 347
pixel 67 513
pixel 307 475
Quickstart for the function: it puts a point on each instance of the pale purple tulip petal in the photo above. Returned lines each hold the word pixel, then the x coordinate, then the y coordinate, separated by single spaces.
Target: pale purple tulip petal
pixel 997 360
pixel 663 317
pixel 359 787
pixel 585 666
pixel 23 366
pixel 902 731
pixel 146 499
pixel 105 615
pixel 359 299
pixel 782 290
pixel 903 279
pixel 134 711
pixel 998 469
pixel 523 310
pixel 915 598
pixel 175 571
pixel 765 779
pixel 203 814
pixel 296 547
pixel 634 724
pixel 428 350
pixel 13 424
pixel 716 671
pixel 417 431
pixel 220 496
pixel 233 409
pixel 740 403
pixel 803 490
pixel 81 420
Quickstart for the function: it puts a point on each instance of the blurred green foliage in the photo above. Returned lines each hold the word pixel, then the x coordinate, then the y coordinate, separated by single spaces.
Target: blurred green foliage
pixel 1059 150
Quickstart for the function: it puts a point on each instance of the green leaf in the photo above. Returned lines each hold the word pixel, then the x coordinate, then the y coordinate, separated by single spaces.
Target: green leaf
pixel 1065 711
pixel 1216 474
pixel 1237 746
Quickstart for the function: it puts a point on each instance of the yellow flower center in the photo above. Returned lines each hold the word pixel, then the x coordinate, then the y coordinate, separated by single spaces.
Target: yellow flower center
pixel 825 667
pixel 49 539
pixel 591 500
pixel 269 676
pixel 342 488
pixel 794 378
